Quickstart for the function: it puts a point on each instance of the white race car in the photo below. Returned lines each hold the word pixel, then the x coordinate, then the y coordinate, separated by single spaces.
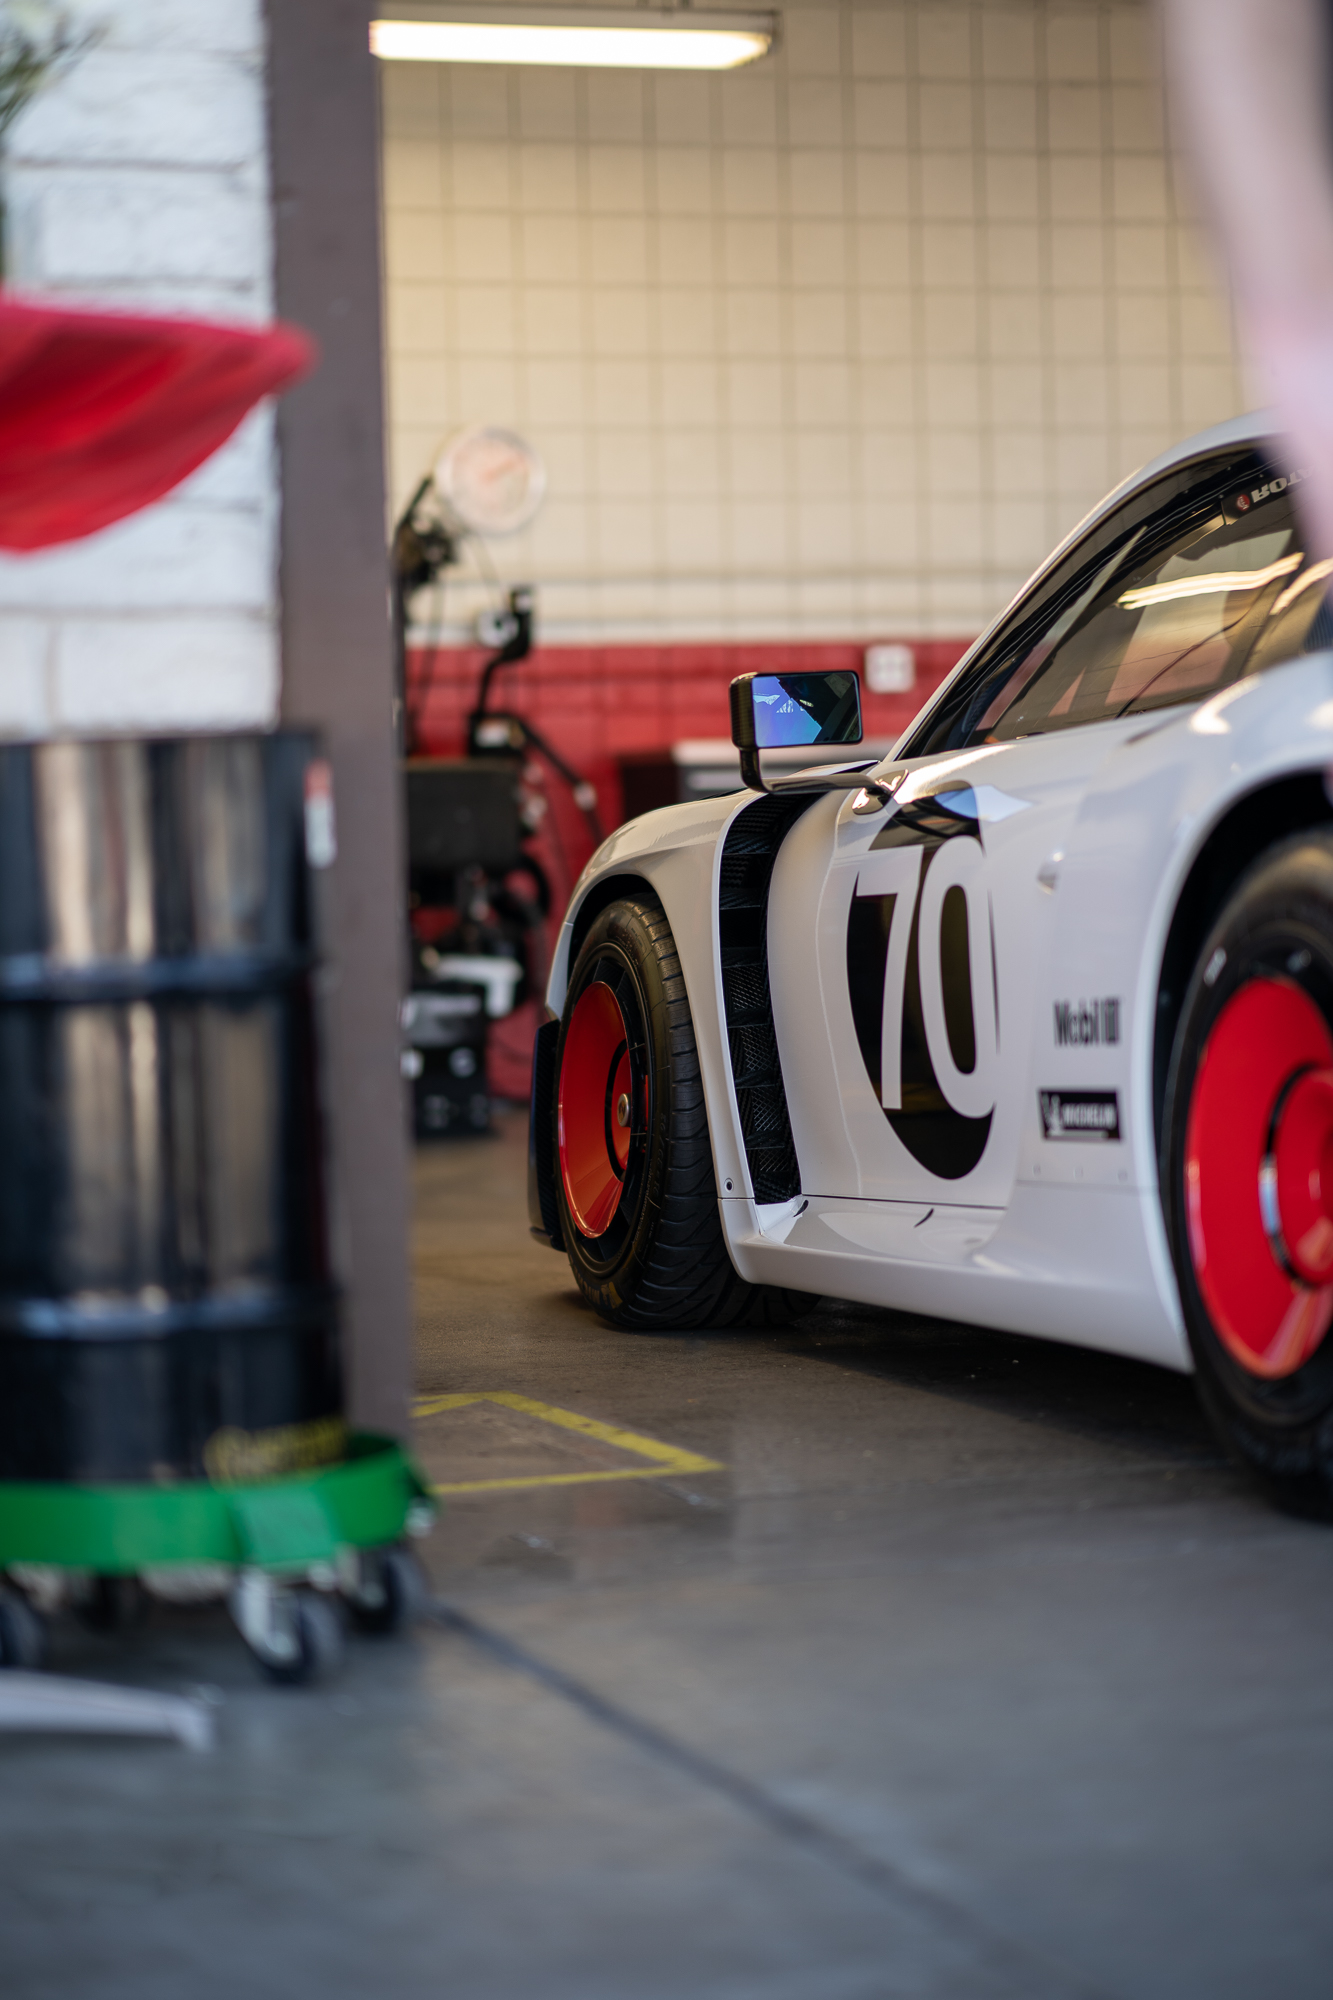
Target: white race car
pixel 1029 1025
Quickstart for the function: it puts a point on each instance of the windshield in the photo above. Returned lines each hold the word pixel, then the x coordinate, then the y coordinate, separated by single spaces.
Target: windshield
pixel 1161 605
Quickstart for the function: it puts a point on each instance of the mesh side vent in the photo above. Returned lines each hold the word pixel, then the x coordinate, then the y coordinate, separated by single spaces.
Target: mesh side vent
pixel 745 878
pixel 747 991
pixel 754 1056
pixel 744 882
pixel 771 1171
pixel 752 833
pixel 764 1117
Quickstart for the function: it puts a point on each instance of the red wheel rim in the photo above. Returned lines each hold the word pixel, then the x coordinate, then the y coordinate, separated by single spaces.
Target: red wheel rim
pixel 1259 1177
pixel 593 1109
pixel 1296 1193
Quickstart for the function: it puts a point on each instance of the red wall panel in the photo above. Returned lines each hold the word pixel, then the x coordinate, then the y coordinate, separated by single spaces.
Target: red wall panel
pixel 596 704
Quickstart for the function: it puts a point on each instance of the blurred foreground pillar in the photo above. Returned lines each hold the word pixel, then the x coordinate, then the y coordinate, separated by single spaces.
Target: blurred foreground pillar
pixel 336 659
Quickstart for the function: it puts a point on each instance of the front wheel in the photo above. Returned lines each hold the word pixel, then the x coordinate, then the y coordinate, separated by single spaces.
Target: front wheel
pixel 1247 1172
pixel 634 1168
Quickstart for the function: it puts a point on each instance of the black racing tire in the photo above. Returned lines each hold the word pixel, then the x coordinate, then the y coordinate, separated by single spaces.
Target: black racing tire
pixel 658 1262
pixel 1257 1018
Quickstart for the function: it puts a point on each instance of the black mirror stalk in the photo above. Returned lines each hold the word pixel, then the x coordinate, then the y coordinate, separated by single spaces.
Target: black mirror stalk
pixel 751 775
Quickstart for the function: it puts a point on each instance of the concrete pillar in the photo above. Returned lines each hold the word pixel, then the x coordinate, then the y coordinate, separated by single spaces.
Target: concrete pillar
pixel 337 663
pixel 256 592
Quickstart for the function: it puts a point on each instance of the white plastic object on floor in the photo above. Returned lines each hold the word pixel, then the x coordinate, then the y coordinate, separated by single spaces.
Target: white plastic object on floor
pixel 43 1702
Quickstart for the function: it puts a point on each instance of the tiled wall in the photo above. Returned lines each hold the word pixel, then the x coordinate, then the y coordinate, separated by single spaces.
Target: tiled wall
pixel 835 346
pixel 140 179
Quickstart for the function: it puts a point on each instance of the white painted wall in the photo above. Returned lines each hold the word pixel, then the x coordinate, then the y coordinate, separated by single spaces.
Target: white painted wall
pixel 835 346
pixel 140 180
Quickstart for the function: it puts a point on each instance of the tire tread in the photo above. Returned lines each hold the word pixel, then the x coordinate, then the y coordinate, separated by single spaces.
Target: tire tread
pixel 686 1279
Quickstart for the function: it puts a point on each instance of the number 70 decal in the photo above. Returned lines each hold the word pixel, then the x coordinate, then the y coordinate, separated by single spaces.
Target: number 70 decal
pixel 940 904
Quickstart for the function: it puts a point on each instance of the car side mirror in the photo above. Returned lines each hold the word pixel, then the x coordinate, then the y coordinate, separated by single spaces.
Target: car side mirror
pixel 786 711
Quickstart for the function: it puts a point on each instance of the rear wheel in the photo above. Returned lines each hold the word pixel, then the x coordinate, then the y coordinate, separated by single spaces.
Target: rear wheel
pixel 634 1168
pixel 1247 1172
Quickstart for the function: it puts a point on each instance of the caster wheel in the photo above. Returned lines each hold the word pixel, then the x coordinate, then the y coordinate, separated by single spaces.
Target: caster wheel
pixel 318 1633
pixel 113 1604
pixel 394 1594
pixel 22 1633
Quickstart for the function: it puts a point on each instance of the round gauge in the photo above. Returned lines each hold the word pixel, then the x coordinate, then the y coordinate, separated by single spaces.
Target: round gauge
pixel 490 479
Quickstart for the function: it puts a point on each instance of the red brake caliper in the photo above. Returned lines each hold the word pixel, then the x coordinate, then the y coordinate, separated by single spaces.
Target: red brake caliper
pixel 594 1109
pixel 1259 1176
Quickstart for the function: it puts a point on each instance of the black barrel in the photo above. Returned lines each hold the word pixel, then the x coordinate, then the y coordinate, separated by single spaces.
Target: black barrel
pixel 166 1302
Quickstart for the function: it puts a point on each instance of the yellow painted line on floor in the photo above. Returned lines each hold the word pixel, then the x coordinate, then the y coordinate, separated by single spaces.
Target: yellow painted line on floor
pixel 667 1460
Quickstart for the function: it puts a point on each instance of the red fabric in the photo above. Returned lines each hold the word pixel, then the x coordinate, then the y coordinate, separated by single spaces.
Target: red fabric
pixel 102 413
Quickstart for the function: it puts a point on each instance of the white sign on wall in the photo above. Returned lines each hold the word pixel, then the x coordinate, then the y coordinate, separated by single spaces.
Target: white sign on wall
pixel 890 669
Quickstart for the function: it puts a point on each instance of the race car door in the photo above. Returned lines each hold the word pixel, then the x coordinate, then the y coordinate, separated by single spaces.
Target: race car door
pixel 934 913
pixel 932 926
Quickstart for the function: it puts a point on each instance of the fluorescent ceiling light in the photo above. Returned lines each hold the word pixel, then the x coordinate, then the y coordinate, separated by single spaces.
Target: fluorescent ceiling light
pixel 1205 586
pixel 1317 573
pixel 580 37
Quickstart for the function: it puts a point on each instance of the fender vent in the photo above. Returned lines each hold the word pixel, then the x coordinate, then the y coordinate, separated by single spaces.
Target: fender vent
pixel 748 855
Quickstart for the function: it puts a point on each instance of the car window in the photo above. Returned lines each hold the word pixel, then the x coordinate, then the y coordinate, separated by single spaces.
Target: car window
pixel 1196 580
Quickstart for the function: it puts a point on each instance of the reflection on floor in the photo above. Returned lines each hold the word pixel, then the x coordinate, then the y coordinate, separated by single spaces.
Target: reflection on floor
pixel 926 1662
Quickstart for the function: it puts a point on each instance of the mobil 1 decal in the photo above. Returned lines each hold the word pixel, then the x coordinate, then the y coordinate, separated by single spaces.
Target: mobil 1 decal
pixel 921 974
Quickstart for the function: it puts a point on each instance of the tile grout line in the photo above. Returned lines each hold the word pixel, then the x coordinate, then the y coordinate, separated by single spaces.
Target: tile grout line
pixel 1037 1977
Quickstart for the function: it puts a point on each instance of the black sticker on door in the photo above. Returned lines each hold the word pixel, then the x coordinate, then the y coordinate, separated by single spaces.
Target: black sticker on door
pixel 1080 1114
pixel 922 983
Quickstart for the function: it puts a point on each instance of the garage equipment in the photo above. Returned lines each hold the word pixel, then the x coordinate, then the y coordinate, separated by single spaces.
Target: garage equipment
pixel 472 929
pixel 461 814
pixel 444 1032
pixel 471 821
pixel 170 1385
pixel 170 1398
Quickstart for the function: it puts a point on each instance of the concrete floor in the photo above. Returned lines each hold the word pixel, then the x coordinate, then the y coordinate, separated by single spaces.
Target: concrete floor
pixel 971 1671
